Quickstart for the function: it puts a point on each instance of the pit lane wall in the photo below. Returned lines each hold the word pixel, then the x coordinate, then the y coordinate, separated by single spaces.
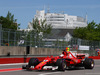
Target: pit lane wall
pixel 18 50
pixel 25 60
pixel 17 60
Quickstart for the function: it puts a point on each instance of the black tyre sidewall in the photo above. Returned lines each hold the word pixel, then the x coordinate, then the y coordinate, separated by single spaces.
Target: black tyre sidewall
pixel 60 63
pixel 33 62
pixel 88 62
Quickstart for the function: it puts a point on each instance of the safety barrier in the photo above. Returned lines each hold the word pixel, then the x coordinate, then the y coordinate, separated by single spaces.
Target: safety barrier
pixel 23 60
pixel 17 60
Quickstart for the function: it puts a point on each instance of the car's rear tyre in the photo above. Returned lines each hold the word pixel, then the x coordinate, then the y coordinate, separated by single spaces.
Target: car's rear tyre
pixel 61 63
pixel 88 63
pixel 33 62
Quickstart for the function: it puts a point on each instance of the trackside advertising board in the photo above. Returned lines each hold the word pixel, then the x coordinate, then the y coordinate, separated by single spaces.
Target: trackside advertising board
pixel 83 47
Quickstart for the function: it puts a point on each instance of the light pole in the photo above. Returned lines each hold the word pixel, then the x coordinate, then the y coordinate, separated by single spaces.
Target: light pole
pixel 0 33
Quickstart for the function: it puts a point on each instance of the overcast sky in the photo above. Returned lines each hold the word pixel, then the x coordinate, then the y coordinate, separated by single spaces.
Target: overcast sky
pixel 24 10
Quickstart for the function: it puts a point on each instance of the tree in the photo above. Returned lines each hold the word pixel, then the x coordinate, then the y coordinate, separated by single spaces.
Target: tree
pixel 10 17
pixel 9 22
pixel 9 27
pixel 91 32
pixel 80 32
pixel 40 28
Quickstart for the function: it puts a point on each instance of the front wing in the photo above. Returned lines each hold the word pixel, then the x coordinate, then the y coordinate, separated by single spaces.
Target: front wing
pixel 43 68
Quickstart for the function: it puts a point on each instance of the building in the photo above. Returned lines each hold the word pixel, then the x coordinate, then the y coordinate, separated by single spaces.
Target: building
pixel 60 21
pixel 63 24
pixel 60 34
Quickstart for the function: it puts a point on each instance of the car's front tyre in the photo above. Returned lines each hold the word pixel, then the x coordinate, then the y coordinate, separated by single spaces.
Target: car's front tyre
pixel 33 62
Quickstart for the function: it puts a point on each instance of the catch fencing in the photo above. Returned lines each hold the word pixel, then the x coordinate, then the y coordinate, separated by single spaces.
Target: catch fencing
pixel 22 38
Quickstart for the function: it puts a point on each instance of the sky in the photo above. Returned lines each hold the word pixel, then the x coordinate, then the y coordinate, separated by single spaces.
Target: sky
pixel 24 10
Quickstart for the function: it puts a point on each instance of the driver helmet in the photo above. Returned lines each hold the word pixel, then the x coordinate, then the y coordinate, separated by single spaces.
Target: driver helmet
pixel 67 48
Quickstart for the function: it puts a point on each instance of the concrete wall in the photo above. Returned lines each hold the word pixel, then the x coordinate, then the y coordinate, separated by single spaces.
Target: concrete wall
pixel 17 50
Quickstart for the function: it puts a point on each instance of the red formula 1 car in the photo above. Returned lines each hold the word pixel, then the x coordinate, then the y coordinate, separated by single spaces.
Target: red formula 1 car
pixel 66 60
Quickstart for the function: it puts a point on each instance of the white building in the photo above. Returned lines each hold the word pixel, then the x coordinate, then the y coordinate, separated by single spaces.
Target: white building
pixel 63 24
pixel 60 21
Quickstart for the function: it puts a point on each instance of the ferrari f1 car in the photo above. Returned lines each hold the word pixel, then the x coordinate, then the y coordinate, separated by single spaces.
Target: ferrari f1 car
pixel 66 60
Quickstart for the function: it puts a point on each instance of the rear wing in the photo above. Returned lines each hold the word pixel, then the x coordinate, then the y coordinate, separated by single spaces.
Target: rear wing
pixel 82 55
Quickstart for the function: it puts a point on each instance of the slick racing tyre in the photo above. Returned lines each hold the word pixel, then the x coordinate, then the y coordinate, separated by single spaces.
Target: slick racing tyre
pixel 33 62
pixel 61 63
pixel 88 63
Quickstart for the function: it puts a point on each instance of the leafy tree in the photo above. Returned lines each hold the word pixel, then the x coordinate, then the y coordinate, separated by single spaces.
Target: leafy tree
pixel 40 28
pixel 80 32
pixel 91 32
pixel 9 22
pixel 10 17
pixel 9 27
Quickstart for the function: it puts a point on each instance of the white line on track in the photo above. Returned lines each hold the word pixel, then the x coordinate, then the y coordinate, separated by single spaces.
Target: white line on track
pixel 9 71
pixel 97 66
pixel 49 73
pixel 13 64
pixel 92 73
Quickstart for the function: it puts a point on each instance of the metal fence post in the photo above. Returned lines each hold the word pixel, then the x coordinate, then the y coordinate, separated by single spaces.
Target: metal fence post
pixel 14 38
pixel 99 44
pixel 0 33
pixel 8 36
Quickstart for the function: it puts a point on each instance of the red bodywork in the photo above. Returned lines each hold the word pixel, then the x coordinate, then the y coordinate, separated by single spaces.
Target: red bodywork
pixel 68 56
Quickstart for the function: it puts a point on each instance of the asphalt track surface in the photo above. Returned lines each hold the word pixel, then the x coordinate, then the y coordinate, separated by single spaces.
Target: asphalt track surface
pixel 15 69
